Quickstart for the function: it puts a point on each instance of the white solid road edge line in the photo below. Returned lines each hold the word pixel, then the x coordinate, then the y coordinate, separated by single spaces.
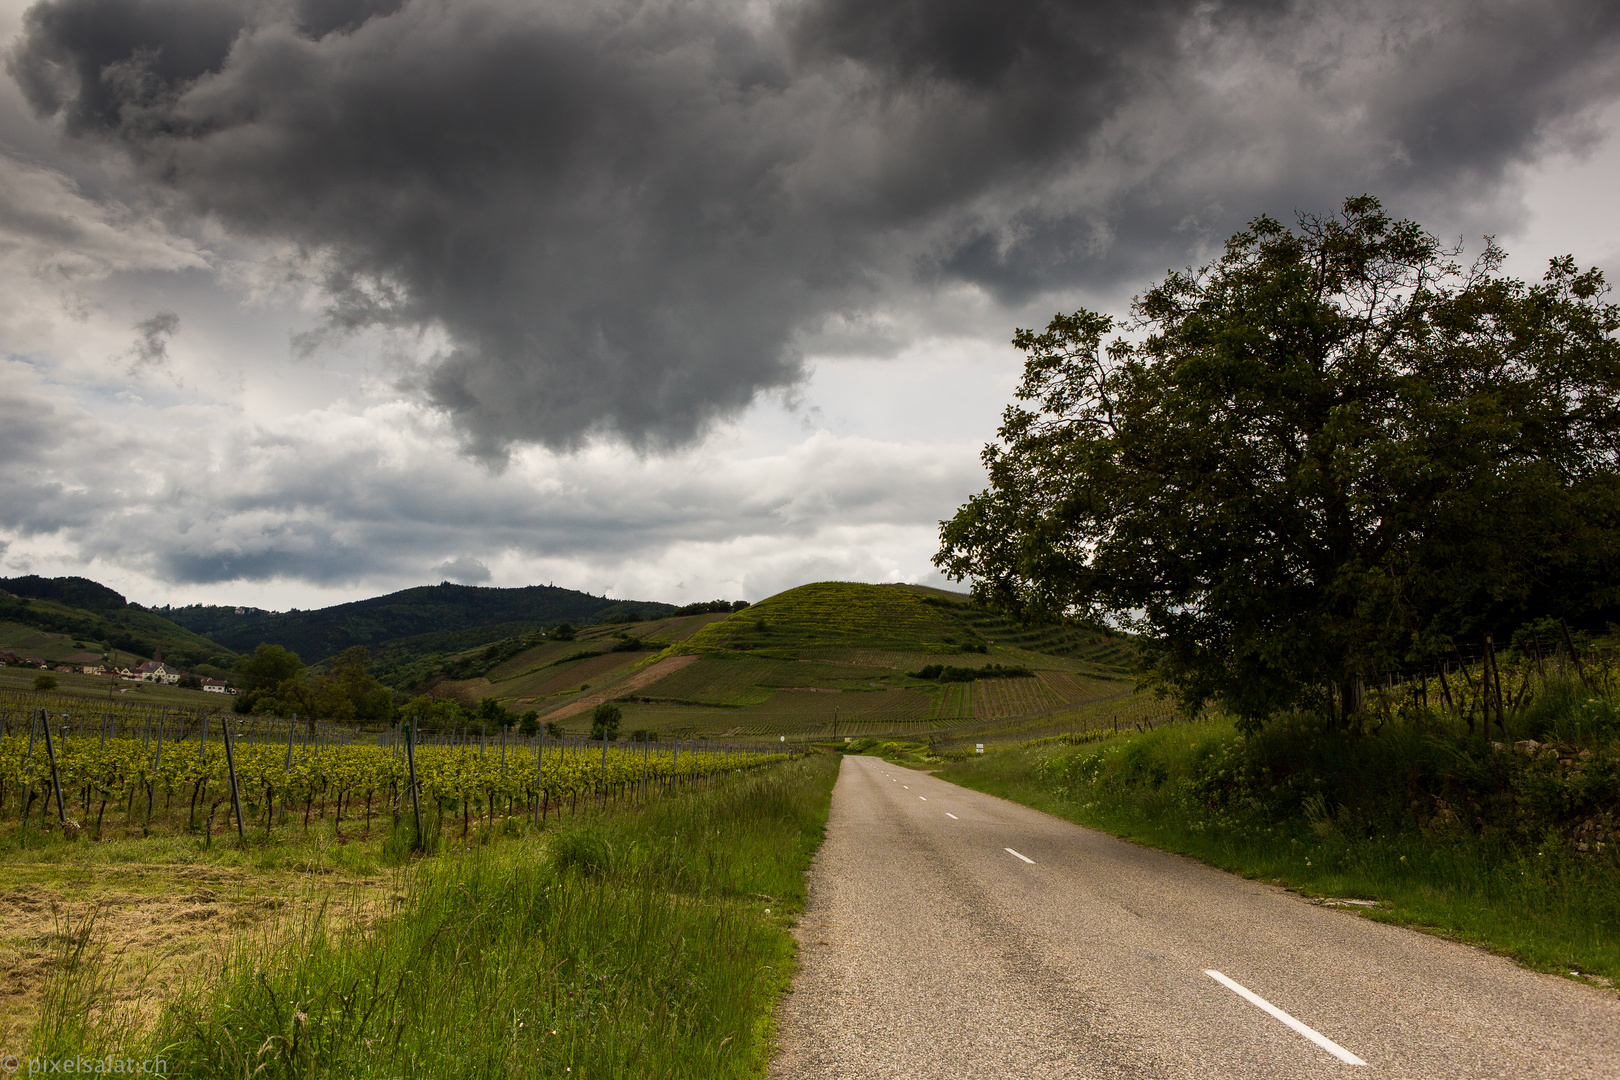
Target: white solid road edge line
pixel 1265 1006
pixel 1015 855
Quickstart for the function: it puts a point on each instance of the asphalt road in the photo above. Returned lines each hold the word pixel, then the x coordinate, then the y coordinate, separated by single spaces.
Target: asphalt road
pixel 932 948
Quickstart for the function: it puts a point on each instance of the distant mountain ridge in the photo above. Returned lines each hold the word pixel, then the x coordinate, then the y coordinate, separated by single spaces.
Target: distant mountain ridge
pixel 429 609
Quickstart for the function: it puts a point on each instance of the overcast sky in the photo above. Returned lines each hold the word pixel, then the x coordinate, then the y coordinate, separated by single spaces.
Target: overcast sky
pixel 310 300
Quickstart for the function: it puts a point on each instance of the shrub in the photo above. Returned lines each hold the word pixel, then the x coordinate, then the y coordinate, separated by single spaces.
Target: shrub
pixel 605 721
pixel 44 682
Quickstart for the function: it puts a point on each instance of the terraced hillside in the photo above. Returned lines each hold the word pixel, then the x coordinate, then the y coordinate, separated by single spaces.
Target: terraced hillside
pixel 831 659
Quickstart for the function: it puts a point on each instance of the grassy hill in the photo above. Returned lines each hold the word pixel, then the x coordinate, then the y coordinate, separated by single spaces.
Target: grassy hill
pixel 831 658
pixel 842 615
pixel 431 619
pixel 54 618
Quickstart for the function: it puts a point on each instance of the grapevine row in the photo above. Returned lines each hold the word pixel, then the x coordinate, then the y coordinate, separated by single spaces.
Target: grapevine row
pixel 146 781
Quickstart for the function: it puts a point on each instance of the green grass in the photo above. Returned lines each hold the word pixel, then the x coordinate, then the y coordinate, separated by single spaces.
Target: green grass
pixel 645 943
pixel 96 693
pixel 837 613
pixel 1480 844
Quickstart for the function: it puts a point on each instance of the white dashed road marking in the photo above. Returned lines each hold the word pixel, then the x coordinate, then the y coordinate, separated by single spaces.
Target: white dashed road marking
pixel 1015 855
pixel 1277 1014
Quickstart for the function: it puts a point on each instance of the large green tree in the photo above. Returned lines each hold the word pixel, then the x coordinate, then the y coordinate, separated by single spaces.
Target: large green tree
pixel 1329 454
pixel 260 675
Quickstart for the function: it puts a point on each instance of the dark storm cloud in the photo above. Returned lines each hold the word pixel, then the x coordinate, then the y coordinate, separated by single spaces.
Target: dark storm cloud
pixel 151 348
pixel 626 217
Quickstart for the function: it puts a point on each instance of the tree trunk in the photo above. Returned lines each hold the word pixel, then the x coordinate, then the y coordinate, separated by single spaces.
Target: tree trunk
pixel 1352 696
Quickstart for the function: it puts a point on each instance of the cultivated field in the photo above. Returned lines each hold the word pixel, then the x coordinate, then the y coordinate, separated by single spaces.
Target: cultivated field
pixel 824 660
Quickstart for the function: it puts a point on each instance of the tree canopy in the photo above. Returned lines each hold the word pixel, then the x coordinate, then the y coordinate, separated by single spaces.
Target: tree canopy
pixel 1334 452
pixel 273 682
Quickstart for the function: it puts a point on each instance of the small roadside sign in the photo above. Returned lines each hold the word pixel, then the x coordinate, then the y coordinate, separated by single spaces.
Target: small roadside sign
pixel 978 748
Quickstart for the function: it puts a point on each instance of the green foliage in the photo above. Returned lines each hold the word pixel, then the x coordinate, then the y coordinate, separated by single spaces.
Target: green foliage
pixel 896 750
pixel 711 607
pixel 265 668
pixel 73 592
pixel 362 778
pixel 43 682
pixel 561 632
pixel 274 682
pixel 529 724
pixel 554 730
pixel 1515 844
pixel 605 721
pixel 950 673
pixel 645 944
pixel 348 693
pixel 434 714
pixel 1329 454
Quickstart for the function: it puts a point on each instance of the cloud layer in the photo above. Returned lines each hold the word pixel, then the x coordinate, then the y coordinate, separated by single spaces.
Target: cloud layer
pixel 631 217
pixel 270 264
pixel 334 500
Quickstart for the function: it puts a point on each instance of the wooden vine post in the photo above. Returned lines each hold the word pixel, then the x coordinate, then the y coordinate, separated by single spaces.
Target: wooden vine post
pixel 56 779
pixel 230 766
pixel 1495 685
pixel 410 758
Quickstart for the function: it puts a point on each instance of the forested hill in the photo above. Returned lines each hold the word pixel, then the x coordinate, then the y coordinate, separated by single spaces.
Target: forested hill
pixel 431 609
pixel 73 592
pixel 91 617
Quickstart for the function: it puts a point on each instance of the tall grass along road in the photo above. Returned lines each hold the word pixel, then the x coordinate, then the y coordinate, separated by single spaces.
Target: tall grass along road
pixel 645 941
pixel 952 934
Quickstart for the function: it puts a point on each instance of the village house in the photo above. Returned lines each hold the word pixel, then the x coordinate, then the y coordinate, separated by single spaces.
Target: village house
pixel 154 671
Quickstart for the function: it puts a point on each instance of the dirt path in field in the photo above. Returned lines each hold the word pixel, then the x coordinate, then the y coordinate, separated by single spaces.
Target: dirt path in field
pixel 646 676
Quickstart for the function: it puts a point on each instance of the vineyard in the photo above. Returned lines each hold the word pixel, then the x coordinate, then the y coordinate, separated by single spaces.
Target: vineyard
pixel 1010 697
pixel 54 773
